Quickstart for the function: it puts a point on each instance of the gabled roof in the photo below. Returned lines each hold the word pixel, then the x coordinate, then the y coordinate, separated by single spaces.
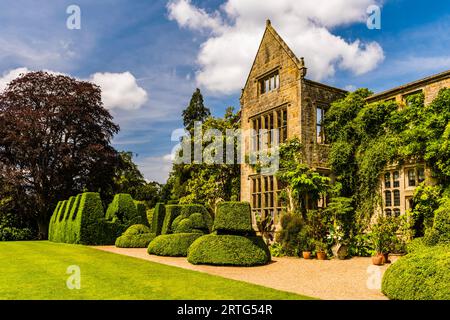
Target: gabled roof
pixel 290 53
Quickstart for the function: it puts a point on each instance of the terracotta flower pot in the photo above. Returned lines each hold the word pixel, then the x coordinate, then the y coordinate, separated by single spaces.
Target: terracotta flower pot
pixel 306 254
pixel 378 260
pixel 321 255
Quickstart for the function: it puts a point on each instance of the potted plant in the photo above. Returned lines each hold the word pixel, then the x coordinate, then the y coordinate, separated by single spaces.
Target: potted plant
pixel 383 236
pixel 321 248
pixel 305 244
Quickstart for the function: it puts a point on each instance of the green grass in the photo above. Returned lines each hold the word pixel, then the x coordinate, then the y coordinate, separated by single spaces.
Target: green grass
pixel 37 270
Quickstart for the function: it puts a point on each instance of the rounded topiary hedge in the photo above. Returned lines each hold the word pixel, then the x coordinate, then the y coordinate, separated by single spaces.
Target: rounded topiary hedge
pixel 229 250
pixel 233 217
pixel 423 274
pixel 172 245
pixel 136 236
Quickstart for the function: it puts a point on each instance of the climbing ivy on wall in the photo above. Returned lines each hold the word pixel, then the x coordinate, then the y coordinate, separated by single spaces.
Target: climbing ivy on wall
pixel 366 137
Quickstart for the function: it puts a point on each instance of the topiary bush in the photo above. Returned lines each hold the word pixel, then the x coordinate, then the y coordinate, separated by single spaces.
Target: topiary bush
pixel 136 236
pixel 172 245
pixel 233 217
pixel 149 213
pixel 172 211
pixel 159 215
pixel 142 212
pixel 441 223
pixel 123 210
pixel 421 275
pixel 233 242
pixel 188 210
pixel 229 250
pixel 81 220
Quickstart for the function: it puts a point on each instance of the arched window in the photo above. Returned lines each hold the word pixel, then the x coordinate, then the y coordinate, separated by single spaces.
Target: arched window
pixel 388 212
pixel 397 212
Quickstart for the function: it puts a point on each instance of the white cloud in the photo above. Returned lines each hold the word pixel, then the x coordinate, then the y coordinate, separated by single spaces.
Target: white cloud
pixel 9 76
pixel 120 90
pixel 155 168
pixel 194 18
pixel 236 30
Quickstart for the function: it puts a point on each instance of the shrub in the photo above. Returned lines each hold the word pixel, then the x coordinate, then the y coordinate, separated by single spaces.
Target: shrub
pixel 230 250
pixel 441 223
pixel 173 245
pixel 176 221
pixel 188 210
pixel 142 212
pixel 172 211
pixel 123 210
pixel 81 220
pixel 15 234
pixel 289 237
pixel 233 217
pixel 136 236
pixel 421 275
pixel 198 222
pixel 415 244
pixel 159 214
pixel 149 213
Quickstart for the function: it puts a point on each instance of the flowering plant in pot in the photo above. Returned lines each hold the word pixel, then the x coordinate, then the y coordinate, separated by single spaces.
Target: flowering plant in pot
pixel 321 248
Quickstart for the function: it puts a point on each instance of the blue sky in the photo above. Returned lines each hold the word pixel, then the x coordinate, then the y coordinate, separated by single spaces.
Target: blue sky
pixel 158 52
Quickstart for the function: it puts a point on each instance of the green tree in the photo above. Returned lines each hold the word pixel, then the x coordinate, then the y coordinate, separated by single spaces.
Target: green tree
pixel 304 186
pixel 195 111
pixel 209 183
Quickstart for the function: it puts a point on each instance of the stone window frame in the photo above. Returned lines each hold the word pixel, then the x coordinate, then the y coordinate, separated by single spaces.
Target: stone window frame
pixel 405 96
pixel 320 138
pixel 269 120
pixel 269 81
pixel 391 192
pixel 266 199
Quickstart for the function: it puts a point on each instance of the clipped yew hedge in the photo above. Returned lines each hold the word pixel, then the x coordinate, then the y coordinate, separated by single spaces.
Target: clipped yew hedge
pixel 229 250
pixel 172 211
pixel 172 245
pixel 159 214
pixel 81 220
pixel 124 211
pixel 233 217
pixel 233 242
pixel 423 274
pixel 136 236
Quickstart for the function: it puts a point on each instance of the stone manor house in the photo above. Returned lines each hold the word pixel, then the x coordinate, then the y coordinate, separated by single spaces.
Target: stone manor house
pixel 277 95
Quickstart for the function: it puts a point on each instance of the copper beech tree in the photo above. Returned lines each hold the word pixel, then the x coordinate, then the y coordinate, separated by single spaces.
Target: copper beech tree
pixel 55 139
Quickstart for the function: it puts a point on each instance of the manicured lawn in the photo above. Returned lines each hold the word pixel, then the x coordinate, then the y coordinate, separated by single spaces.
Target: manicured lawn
pixel 37 270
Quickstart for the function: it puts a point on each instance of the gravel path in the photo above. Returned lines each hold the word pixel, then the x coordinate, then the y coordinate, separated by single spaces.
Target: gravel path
pixel 331 279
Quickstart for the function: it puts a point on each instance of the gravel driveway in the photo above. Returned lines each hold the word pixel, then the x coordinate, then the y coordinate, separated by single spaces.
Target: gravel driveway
pixel 331 279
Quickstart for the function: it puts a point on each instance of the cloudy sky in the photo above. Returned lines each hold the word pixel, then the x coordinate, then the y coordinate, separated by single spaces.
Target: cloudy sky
pixel 149 56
